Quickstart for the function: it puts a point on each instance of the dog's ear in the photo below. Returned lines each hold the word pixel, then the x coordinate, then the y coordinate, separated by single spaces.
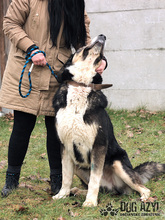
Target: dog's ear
pixel 97 79
pixel 64 73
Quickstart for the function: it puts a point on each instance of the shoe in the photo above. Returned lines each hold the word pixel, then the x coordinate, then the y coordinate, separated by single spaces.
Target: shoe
pixel 12 182
pixel 55 183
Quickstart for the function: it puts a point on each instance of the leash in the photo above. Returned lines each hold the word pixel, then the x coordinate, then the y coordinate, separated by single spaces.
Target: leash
pixel 28 59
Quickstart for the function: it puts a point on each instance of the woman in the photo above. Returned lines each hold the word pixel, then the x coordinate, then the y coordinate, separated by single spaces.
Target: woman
pixel 54 26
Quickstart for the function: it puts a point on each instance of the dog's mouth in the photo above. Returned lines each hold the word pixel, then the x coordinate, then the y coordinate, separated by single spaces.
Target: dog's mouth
pixel 98 42
pixel 97 46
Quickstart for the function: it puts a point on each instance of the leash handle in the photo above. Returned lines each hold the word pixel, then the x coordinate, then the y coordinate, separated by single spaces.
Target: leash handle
pixel 28 59
pixel 31 68
pixel 30 82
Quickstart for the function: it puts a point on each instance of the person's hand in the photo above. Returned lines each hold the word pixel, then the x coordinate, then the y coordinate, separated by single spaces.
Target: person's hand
pixel 38 59
pixel 101 68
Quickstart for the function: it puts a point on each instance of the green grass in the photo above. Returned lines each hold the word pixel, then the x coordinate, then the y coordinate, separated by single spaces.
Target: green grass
pixel 141 133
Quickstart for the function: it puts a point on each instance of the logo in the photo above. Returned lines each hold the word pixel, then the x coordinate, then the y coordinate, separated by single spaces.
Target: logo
pixel 132 209
pixel 109 210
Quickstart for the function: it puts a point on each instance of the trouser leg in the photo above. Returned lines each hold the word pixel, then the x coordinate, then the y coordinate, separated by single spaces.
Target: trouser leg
pixel 54 155
pixel 53 146
pixel 19 140
pixel 18 144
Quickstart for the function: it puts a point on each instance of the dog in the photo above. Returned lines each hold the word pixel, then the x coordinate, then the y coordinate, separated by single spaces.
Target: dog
pixel 89 147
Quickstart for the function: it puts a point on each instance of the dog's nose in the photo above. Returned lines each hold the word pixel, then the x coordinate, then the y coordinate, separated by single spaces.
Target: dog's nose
pixel 103 36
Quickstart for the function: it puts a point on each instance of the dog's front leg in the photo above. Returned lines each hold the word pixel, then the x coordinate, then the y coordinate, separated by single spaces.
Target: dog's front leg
pixel 97 164
pixel 67 176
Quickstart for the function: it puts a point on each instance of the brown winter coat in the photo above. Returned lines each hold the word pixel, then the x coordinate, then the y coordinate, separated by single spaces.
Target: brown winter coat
pixel 27 23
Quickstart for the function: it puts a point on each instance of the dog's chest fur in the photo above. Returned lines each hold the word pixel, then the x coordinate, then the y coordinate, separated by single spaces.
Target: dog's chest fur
pixel 76 136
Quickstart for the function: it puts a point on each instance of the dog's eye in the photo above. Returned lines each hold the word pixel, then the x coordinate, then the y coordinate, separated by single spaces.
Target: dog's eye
pixel 85 54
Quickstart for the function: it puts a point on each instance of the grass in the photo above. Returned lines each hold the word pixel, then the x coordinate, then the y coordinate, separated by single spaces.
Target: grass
pixel 141 133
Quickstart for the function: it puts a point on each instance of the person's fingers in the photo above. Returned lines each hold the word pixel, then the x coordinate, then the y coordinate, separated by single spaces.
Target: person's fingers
pixel 38 59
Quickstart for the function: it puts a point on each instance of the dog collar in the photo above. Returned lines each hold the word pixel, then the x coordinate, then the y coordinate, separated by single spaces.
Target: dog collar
pixel 93 86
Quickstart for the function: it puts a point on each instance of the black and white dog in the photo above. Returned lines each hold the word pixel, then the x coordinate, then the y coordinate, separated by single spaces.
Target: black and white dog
pixel 89 147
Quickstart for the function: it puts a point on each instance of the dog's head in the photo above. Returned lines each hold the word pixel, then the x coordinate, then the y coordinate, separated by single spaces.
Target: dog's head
pixel 81 67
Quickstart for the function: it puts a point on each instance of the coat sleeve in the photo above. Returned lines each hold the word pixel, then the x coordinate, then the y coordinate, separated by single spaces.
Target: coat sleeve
pixel 87 23
pixel 14 21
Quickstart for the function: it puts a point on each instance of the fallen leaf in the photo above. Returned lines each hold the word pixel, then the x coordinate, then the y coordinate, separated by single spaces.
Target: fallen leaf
pixel 40 199
pixel 130 134
pixel 32 177
pixel 139 132
pixel 142 116
pixel 160 132
pixel 21 209
pixel 48 190
pixel 22 185
pixel 72 214
pixel 61 218
pixel 153 113
pixel 120 142
pixel 163 199
pixel 76 204
pixel 9 116
pixel 132 114
pixel 28 186
pixel 138 152
pixel 38 193
pixel 154 151
pixel 142 111
pixel 42 156
pixel 2 164
pixel 152 199
pixel 128 126
pixel 44 179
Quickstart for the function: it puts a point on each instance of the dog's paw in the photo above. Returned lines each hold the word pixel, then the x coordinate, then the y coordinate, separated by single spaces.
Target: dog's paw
pixel 58 196
pixel 145 195
pixel 90 203
pixel 62 194
pixel 103 212
pixel 75 191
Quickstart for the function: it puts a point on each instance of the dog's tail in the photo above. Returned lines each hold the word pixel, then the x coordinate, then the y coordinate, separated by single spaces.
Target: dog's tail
pixel 149 170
